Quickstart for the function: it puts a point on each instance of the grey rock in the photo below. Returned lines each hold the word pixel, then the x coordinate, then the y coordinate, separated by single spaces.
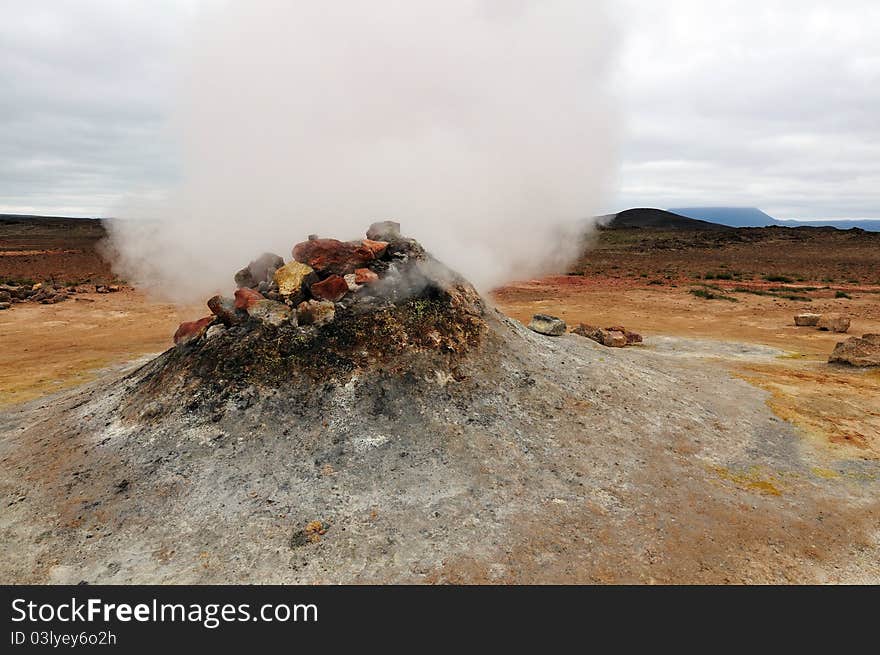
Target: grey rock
pixel 549 325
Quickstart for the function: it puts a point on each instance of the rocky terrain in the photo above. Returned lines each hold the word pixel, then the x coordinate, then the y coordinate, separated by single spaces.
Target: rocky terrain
pixel 416 434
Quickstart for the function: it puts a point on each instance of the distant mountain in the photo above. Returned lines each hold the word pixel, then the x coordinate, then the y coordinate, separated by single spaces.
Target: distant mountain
pixel 754 217
pixel 658 218
pixel 731 216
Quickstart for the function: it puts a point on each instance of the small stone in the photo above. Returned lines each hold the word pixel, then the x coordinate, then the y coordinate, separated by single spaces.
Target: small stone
pixel 224 309
pixel 833 323
pixel 548 325
pixel 291 277
pixel 315 312
pixel 807 319
pixel 246 297
pixel 631 337
pixel 384 231
pixel 364 276
pixel 271 312
pixel 857 352
pixel 333 288
pixel 192 330
pixel 113 288
pixel 5 296
pixel 351 281
pixel 5 305
pixel 614 339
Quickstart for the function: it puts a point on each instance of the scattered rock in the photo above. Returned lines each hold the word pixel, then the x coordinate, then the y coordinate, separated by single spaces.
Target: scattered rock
pixel 365 276
pixel 225 309
pixel 631 337
pixel 807 319
pixel 245 297
pixel 333 288
pixel 315 312
pixel 857 351
pixel 384 231
pixel 5 305
pixel 271 312
pixel 291 277
pixel 613 337
pixel 833 323
pixel 332 256
pixel 549 325
pixel 192 330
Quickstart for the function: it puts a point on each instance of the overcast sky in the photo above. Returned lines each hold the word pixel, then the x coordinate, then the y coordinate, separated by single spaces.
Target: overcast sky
pixel 768 103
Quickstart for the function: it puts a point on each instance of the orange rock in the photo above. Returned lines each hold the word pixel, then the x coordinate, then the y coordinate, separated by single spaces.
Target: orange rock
pixel 376 247
pixel 191 330
pixel 245 298
pixel 364 276
pixel 332 289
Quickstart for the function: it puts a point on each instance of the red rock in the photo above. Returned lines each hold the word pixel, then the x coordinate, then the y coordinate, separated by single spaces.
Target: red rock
pixel 378 248
pixel 224 309
pixel 245 297
pixel 332 289
pixel 332 256
pixel 364 276
pixel 192 330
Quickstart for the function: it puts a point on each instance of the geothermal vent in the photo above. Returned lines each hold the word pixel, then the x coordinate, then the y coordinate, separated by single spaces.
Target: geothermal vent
pixel 334 311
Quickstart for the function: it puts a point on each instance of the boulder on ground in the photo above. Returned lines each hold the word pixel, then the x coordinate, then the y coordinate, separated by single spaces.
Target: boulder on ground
pixel 224 309
pixel 384 231
pixel 631 337
pixel 271 312
pixel 333 288
pixel 807 319
pixel 315 312
pixel 291 277
pixel 833 323
pixel 246 297
pixel 857 351
pixel 192 330
pixel 260 270
pixel 613 337
pixel 333 256
pixel 546 324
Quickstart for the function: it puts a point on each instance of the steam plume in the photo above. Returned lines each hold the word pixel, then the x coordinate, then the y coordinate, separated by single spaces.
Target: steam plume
pixel 483 126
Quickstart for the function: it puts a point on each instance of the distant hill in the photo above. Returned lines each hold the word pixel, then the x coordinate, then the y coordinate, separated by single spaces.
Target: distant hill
pixel 655 218
pixel 754 217
pixel 730 216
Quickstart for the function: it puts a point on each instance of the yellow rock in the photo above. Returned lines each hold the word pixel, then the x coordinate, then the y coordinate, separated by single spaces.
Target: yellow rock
pixel 290 277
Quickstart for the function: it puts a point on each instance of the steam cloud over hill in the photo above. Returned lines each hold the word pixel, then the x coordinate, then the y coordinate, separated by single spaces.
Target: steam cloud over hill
pixel 485 126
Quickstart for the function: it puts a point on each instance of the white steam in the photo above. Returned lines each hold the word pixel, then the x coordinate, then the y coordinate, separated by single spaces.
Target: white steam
pixel 484 127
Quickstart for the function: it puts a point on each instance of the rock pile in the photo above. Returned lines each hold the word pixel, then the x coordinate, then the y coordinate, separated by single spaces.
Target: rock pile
pixel 615 336
pixel 45 293
pixel 855 351
pixel 326 280
pixel 826 322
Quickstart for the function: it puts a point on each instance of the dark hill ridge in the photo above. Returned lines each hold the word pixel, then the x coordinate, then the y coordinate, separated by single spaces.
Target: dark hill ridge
pixel 655 218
